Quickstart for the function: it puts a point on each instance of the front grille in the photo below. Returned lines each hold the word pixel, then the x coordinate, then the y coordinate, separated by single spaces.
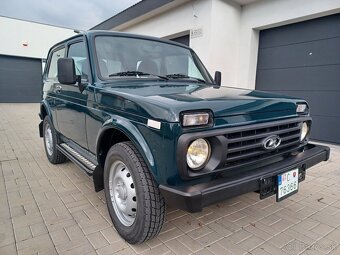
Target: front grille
pixel 246 146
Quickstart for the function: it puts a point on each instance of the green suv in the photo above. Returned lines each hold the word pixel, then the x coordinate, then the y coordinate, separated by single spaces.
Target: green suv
pixel 144 117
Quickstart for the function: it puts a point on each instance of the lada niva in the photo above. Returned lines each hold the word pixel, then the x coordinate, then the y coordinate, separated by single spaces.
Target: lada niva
pixel 144 117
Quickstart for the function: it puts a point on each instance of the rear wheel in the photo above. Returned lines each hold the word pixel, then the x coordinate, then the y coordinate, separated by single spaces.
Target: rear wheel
pixel 136 207
pixel 50 143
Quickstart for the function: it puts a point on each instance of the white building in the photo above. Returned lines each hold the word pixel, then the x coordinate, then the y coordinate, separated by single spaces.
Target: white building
pixel 29 39
pixel 23 46
pixel 288 46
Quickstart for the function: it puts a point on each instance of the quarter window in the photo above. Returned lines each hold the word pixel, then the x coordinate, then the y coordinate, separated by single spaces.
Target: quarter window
pixel 77 51
pixel 53 70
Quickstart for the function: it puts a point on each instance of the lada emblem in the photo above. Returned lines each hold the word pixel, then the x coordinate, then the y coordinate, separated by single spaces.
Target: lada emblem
pixel 271 142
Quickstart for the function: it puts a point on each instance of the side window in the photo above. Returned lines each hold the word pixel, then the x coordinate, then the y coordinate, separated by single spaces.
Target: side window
pixel 53 71
pixel 77 51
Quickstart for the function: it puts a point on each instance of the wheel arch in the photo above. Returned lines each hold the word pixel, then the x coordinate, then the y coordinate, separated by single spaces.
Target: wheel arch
pixel 113 132
pixel 44 111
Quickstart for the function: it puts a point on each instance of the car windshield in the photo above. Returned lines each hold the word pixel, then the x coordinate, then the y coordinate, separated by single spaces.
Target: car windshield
pixel 121 57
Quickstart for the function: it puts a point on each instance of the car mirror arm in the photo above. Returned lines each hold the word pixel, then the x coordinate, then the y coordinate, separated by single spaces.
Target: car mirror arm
pixel 81 85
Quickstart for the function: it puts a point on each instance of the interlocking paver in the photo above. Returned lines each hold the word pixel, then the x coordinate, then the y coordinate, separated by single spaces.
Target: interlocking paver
pixel 231 247
pixel 258 232
pixel 6 234
pixel 281 240
pixel 325 245
pixel 192 244
pixel 110 235
pixel 251 243
pixel 39 244
pixel 177 247
pixel 186 223
pixel 217 249
pixel 8 249
pixel 158 250
pixel 209 239
pixel 200 232
pixel 204 251
pixel 53 209
pixel 98 240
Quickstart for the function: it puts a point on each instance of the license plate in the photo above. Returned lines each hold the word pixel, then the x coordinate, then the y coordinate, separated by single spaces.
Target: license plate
pixel 287 184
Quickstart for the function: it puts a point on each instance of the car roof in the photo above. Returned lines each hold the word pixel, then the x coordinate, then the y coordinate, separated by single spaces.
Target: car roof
pixel 93 33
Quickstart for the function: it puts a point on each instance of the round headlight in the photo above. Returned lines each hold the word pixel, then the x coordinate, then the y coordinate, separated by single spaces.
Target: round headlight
pixel 304 131
pixel 198 154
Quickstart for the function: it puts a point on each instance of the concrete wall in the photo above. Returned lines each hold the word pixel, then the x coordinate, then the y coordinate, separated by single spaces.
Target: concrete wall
pixel 230 32
pixel 40 37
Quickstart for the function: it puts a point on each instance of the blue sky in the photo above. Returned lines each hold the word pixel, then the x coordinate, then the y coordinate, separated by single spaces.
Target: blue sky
pixel 78 14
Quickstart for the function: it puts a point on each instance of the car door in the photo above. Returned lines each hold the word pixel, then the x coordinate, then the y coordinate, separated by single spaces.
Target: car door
pixel 71 103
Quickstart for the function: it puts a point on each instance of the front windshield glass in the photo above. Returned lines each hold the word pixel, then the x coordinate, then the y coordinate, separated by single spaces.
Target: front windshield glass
pixel 126 58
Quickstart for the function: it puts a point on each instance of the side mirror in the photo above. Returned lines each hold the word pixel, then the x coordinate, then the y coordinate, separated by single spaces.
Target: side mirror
pixel 218 78
pixel 66 71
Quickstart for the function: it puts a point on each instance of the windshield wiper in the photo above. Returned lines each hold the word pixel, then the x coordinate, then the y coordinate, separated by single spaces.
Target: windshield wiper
pixel 184 76
pixel 136 73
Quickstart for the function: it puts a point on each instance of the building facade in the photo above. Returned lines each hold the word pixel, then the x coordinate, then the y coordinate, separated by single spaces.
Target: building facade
pixel 23 47
pixel 290 47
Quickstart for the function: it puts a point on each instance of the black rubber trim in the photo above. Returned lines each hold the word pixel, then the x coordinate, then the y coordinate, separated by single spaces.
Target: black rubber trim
pixel 194 198
pixel 41 129
pixel 98 178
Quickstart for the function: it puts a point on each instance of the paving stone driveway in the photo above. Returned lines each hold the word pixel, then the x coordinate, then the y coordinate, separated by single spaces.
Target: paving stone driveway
pixel 48 209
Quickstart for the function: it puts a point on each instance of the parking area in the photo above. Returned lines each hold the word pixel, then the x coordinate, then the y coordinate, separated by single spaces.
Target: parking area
pixel 53 209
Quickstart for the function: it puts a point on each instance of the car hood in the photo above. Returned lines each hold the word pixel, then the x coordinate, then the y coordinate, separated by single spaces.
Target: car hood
pixel 165 101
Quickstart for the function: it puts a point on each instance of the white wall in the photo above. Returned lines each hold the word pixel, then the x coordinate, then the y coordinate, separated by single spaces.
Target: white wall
pixel 193 14
pixel 217 47
pixel 40 37
pixel 224 40
pixel 272 13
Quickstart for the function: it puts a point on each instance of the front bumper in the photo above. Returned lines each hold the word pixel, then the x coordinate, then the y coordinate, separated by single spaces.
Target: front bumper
pixel 194 198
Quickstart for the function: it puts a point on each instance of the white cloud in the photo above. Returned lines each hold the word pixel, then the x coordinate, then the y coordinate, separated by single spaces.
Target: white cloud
pixel 79 14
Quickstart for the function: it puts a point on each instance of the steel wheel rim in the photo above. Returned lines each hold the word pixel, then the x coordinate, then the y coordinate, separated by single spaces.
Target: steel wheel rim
pixel 49 140
pixel 122 193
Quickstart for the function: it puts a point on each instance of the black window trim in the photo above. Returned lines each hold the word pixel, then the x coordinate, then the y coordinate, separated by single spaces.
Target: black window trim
pixel 79 40
pixel 49 59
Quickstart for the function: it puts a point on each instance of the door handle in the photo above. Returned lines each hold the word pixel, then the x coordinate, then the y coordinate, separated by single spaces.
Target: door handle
pixel 58 88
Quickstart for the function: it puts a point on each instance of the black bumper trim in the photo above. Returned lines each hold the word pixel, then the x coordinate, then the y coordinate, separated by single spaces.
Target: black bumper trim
pixel 194 198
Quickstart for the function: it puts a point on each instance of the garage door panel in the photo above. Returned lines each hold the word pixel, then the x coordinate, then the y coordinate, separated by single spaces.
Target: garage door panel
pixel 20 79
pixel 312 30
pixel 17 63
pixel 302 60
pixel 320 102
pixel 316 53
pixel 293 78
pixel 326 129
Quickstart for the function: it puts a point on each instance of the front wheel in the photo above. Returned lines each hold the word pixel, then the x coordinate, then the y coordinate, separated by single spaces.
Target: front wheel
pixel 50 143
pixel 136 207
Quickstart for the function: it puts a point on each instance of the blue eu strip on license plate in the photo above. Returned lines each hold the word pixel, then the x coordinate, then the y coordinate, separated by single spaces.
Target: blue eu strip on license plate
pixel 287 184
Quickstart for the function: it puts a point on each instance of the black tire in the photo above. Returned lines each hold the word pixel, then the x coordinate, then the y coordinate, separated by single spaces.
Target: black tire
pixel 150 213
pixel 55 157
